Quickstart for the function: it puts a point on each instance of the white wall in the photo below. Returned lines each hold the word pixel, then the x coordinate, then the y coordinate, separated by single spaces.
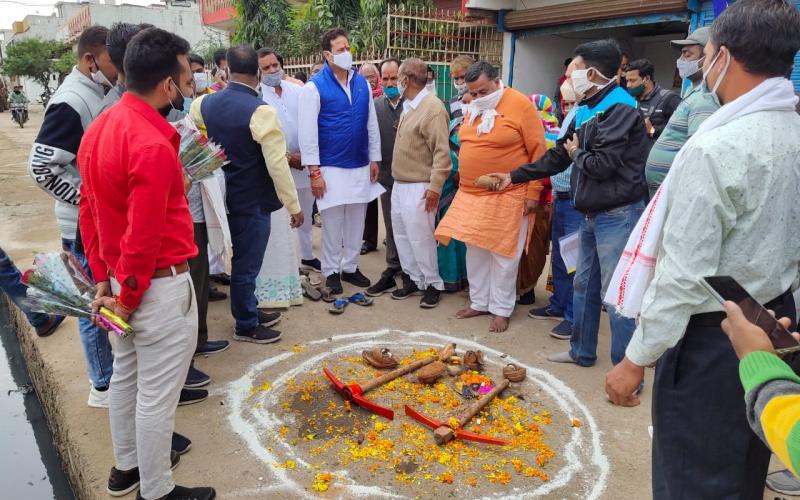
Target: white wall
pixel 661 54
pixel 539 62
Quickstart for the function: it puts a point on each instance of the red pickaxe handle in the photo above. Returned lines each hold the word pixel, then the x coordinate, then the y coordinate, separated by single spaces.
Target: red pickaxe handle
pixel 459 433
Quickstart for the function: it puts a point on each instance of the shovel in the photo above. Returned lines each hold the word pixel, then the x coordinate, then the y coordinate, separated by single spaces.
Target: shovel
pixel 354 392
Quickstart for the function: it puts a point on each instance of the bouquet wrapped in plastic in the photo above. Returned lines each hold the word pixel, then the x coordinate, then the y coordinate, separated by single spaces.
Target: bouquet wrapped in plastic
pixel 200 157
pixel 57 284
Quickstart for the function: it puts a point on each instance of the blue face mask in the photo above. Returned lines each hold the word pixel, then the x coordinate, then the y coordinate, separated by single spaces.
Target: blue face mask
pixel 391 92
pixel 187 103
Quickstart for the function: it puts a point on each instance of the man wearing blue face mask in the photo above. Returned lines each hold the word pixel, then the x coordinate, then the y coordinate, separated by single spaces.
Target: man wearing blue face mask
pixel 690 113
pixel 341 145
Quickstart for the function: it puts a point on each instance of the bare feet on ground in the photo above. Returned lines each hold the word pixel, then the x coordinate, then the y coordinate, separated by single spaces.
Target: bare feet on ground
pixel 469 313
pixel 498 324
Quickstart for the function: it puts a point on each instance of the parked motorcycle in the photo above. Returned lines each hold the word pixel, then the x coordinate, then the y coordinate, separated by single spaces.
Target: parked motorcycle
pixel 19 113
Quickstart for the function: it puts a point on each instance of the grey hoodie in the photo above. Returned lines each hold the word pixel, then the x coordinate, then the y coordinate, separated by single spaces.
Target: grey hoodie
pixel 52 162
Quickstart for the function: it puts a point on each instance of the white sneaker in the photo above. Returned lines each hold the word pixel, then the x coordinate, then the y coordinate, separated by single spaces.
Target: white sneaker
pixel 98 399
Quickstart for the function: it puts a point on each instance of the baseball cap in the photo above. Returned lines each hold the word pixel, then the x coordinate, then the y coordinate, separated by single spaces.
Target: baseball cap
pixel 696 37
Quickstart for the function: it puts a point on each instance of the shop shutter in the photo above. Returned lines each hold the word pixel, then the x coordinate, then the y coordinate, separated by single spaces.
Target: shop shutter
pixel 587 10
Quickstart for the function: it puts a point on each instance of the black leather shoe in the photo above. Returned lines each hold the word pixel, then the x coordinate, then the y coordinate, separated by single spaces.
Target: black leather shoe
pixel 192 396
pixel 357 279
pixel 195 378
pixel 215 295
pixel 212 347
pixel 385 284
pixel 183 493
pixel 334 283
pixel 122 482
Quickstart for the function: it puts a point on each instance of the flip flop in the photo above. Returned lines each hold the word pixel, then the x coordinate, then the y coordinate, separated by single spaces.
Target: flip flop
pixel 327 295
pixel 310 290
pixel 360 299
pixel 338 306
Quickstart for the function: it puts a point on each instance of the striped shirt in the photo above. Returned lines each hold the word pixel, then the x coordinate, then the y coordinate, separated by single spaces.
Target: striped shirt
pixel 690 113
pixel 561 181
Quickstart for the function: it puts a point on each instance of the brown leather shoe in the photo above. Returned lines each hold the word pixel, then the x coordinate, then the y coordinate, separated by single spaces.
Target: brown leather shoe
pixel 380 358
pixel 514 373
pixel 429 374
pixel 473 360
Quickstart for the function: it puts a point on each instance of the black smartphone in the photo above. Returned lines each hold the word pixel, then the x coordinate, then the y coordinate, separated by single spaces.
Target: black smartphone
pixel 725 288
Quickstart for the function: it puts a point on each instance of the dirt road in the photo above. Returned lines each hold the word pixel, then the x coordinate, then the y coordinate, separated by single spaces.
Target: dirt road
pixel 240 445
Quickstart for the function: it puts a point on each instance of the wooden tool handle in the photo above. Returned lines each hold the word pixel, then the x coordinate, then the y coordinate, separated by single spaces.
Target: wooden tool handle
pixel 399 372
pixel 481 403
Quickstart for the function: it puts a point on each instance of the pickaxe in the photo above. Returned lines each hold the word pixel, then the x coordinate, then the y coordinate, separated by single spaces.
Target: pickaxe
pixel 354 392
pixel 443 432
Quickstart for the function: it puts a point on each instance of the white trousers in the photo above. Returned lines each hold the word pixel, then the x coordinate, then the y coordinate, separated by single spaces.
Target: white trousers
pixel 304 232
pixel 342 230
pixel 413 229
pixel 149 371
pixel 493 278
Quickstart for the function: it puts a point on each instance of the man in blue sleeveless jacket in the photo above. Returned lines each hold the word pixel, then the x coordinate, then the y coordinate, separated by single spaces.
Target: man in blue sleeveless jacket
pixel 257 179
pixel 607 145
pixel 340 143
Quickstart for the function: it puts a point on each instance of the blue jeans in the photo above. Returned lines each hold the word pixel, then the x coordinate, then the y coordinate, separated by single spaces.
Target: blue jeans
pixel 96 346
pixel 566 220
pixel 603 238
pixel 249 235
pixel 11 284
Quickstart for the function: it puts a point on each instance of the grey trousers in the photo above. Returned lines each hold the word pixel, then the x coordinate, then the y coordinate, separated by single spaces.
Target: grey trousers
pixel 150 368
pixel 392 257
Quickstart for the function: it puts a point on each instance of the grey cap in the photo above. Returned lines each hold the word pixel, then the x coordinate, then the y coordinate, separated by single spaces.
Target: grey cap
pixel 697 37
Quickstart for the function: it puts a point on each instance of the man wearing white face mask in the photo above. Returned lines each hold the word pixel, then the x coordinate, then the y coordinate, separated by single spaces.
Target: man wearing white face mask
pixel 284 96
pixel 606 145
pixel 690 113
pixel 52 165
pixel 341 145
pixel 731 198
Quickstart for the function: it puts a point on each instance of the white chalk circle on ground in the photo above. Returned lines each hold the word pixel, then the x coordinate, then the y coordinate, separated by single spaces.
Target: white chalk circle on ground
pixel 586 469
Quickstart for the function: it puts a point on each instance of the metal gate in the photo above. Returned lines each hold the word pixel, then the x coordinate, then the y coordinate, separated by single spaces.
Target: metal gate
pixel 438 36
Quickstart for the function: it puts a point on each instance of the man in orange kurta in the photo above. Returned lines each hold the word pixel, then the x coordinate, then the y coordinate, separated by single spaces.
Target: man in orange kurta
pixel 500 129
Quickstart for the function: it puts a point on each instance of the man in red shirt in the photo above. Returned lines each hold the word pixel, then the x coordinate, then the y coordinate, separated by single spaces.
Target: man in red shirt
pixel 138 235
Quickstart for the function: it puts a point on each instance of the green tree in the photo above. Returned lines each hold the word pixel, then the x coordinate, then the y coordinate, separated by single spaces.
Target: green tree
pixel 262 23
pixel 40 60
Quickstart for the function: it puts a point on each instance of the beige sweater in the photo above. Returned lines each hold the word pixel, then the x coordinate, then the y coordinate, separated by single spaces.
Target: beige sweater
pixel 421 148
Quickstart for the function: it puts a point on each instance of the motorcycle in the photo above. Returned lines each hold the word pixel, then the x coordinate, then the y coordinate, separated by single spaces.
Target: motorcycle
pixel 19 113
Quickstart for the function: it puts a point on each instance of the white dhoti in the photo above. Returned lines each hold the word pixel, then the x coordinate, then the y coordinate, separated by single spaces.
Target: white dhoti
pixel 217 259
pixel 413 230
pixel 493 278
pixel 306 198
pixel 343 209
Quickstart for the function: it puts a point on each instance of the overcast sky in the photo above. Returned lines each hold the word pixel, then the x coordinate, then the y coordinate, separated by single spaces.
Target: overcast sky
pixel 16 10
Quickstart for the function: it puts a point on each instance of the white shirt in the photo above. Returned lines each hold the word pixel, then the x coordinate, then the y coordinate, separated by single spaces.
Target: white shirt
pixel 413 103
pixel 733 212
pixel 307 124
pixel 288 107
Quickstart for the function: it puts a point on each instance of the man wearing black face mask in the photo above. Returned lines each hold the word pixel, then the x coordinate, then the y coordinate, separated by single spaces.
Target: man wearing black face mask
pixel 656 104
pixel 138 234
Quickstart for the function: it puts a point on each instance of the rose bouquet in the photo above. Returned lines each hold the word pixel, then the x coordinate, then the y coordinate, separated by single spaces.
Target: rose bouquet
pixel 199 156
pixel 57 284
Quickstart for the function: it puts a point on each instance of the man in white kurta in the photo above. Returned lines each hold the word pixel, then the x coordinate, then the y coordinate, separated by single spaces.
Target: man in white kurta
pixel 284 96
pixel 340 144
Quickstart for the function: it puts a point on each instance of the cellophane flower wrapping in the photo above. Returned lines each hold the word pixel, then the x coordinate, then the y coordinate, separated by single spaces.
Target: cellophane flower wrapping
pixel 57 284
pixel 199 156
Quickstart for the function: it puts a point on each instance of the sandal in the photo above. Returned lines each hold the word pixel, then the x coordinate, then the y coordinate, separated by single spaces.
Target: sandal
pixel 514 373
pixel 327 295
pixel 310 290
pixel 360 299
pixel 380 358
pixel 473 360
pixel 338 306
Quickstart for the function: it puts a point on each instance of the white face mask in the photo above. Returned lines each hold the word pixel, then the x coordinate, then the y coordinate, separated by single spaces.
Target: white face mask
pixel 460 88
pixel 343 60
pixel 272 79
pixel 719 79
pixel 100 79
pixel 401 86
pixel 581 82
pixel 689 68
pixel 200 81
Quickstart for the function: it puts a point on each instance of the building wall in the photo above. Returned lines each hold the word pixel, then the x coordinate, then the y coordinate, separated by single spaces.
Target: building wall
pixel 539 62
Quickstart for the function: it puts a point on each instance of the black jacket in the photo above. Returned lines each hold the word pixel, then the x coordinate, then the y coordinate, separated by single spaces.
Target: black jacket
pixel 609 163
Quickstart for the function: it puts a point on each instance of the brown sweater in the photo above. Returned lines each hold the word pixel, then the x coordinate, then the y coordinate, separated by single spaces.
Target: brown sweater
pixel 421 148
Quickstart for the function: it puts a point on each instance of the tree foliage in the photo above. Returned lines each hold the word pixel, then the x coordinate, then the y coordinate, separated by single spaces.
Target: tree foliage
pixel 40 60
pixel 297 31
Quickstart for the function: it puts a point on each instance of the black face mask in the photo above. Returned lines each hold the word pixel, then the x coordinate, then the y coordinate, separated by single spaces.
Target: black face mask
pixel 176 104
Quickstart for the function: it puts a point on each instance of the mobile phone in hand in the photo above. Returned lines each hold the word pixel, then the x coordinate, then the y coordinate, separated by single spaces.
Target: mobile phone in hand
pixel 725 288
